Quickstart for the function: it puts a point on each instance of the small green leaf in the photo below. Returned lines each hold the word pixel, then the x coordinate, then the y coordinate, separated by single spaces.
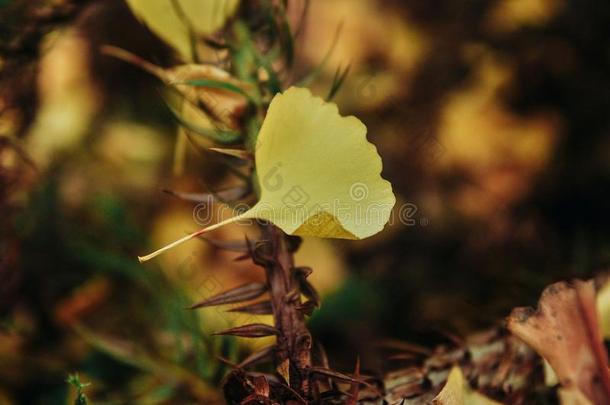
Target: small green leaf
pixel 74 380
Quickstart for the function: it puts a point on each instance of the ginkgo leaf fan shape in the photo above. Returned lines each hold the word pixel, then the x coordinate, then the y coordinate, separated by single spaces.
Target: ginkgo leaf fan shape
pixel 172 20
pixel 318 174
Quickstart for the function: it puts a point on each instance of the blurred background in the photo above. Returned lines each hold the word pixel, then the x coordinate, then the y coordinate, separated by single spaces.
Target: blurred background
pixel 492 118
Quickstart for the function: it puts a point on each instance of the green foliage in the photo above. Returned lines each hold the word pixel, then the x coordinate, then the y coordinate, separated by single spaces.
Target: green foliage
pixel 74 380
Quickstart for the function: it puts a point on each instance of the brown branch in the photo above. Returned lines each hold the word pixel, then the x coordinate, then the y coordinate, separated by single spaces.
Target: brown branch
pixel 293 349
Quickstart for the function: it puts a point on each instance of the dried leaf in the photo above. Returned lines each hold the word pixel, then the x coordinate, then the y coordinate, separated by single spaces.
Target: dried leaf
pixel 261 386
pixel 242 293
pixel 200 110
pixel 84 299
pixel 209 107
pixel 564 329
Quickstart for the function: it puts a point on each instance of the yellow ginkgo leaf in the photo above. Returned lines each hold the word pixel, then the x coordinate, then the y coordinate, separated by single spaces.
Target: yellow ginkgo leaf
pixel 172 20
pixel 318 174
pixel 457 391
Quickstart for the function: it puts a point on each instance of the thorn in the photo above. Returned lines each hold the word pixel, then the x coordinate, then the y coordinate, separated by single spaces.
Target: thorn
pixel 257 308
pixel 303 271
pixel 307 307
pixel 336 375
pixel 254 330
pixel 244 292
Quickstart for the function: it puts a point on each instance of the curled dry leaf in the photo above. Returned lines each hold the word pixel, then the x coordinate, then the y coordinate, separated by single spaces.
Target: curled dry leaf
pixel 564 329
pixel 318 174
pixel 457 391
pixel 223 98
pixel 210 95
pixel 211 100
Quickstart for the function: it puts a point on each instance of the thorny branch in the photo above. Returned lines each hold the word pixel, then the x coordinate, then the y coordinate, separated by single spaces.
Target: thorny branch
pixel 293 351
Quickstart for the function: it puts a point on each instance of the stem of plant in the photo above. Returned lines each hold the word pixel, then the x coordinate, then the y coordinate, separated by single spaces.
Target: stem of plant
pixel 293 348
